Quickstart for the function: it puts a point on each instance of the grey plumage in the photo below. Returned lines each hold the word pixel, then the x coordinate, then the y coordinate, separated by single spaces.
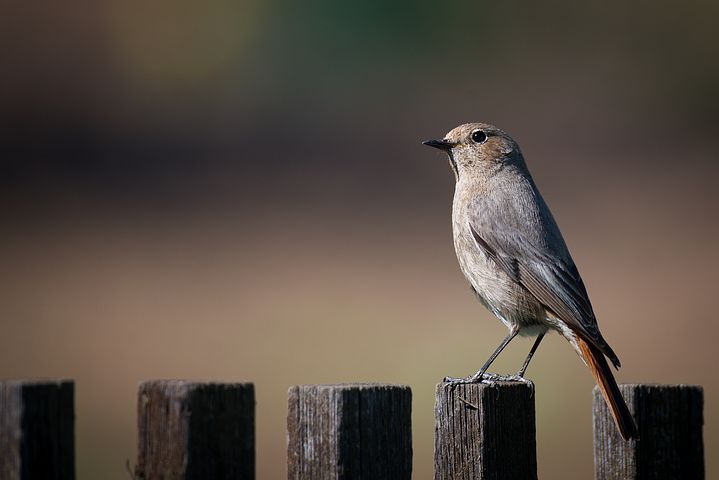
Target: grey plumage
pixel 512 253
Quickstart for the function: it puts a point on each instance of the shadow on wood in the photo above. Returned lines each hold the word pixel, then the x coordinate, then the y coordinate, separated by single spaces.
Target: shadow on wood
pixel 195 430
pixel 349 432
pixel 670 446
pixel 37 429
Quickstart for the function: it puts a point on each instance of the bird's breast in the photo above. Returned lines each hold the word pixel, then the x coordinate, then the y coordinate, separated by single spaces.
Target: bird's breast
pixel 508 300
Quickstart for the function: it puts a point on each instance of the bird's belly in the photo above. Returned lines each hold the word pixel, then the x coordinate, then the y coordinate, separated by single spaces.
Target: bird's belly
pixel 509 301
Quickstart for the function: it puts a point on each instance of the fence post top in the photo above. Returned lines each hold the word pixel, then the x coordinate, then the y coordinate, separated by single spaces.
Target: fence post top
pixel 658 387
pixel 176 382
pixel 36 381
pixel 352 386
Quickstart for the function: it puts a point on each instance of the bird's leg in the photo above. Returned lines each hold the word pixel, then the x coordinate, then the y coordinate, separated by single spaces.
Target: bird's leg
pixel 519 377
pixel 481 376
pixel 521 371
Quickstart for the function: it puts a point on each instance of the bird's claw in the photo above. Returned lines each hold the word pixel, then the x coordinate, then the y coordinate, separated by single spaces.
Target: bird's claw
pixel 487 379
pixel 515 378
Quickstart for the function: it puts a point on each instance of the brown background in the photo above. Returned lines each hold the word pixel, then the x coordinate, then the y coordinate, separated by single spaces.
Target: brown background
pixel 237 190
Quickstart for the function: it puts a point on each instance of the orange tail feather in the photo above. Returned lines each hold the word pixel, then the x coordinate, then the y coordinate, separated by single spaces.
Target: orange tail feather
pixel 605 380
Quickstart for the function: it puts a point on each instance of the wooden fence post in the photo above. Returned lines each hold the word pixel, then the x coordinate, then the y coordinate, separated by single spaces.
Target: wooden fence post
pixel 485 432
pixel 195 430
pixel 349 432
pixel 670 445
pixel 37 429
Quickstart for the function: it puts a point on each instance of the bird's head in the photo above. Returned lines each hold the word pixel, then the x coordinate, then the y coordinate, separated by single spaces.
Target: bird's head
pixel 478 149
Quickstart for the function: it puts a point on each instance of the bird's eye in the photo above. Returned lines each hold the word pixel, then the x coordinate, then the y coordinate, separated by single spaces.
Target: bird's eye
pixel 478 136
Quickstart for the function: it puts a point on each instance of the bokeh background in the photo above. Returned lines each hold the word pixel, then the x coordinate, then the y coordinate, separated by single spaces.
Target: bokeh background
pixel 237 190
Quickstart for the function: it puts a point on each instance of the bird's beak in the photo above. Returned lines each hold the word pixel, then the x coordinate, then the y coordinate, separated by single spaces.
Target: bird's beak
pixel 441 144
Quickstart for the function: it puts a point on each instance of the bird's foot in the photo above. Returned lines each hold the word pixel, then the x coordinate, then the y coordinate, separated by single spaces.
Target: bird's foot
pixel 487 379
pixel 458 380
pixel 514 378
pixel 479 377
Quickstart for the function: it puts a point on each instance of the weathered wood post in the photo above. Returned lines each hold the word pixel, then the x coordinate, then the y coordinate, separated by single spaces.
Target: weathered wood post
pixel 670 444
pixel 37 429
pixel 349 432
pixel 195 430
pixel 485 432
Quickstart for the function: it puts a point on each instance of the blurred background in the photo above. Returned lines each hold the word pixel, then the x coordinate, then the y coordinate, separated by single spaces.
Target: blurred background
pixel 237 190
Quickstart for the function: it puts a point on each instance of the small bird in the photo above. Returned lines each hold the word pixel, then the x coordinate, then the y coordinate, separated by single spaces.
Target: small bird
pixel 512 253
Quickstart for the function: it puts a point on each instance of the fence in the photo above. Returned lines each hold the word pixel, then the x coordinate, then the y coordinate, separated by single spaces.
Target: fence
pixel 204 430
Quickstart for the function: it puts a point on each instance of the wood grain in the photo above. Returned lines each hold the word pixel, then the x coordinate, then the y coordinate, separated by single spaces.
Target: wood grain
pixel 195 430
pixel 37 430
pixel 670 444
pixel 349 432
pixel 485 432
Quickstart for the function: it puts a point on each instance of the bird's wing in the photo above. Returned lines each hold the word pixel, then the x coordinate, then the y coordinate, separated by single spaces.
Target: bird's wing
pixel 549 274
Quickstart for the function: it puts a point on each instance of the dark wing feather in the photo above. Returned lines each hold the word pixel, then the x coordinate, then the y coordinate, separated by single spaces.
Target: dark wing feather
pixel 549 275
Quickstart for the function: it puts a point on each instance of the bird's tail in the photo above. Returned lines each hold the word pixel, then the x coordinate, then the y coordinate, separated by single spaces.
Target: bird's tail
pixel 605 380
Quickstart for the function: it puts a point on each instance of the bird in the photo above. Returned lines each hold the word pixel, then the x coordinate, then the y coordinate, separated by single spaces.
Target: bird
pixel 516 261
